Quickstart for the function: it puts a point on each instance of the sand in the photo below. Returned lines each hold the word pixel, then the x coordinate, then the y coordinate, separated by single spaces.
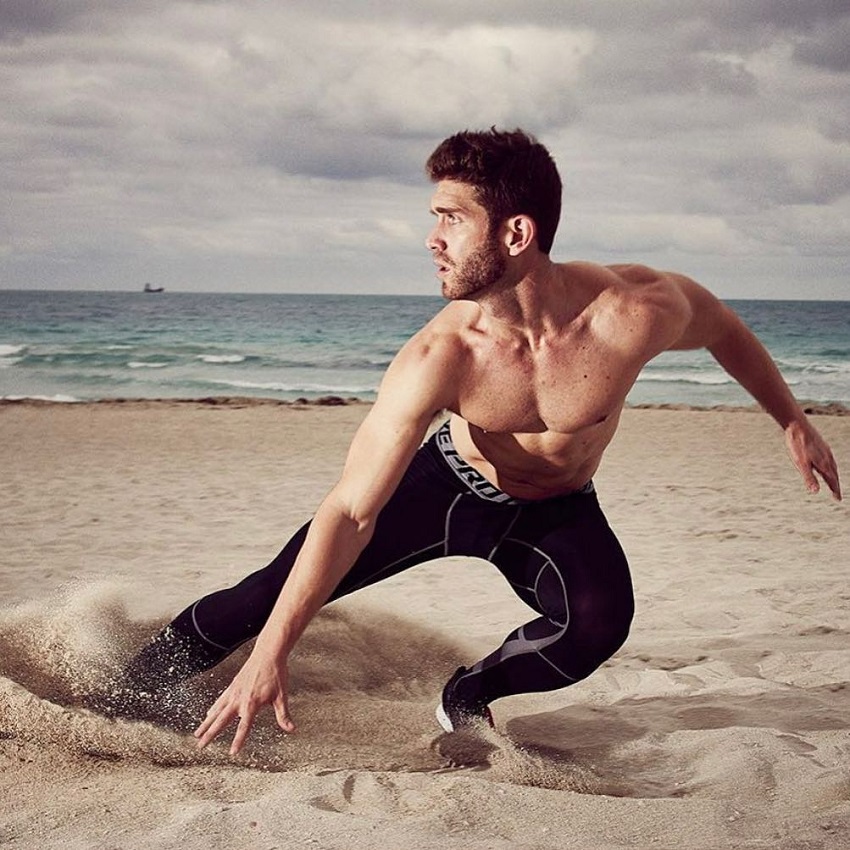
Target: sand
pixel 724 722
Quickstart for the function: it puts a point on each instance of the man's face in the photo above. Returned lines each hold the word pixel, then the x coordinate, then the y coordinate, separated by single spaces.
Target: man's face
pixel 468 255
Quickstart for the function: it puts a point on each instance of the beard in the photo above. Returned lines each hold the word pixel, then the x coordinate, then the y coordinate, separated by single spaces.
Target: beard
pixel 479 270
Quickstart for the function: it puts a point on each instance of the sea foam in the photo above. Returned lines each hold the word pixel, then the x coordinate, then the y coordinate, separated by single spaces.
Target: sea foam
pixel 11 350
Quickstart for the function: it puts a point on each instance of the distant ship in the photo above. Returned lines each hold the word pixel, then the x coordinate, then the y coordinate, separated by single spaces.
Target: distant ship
pixel 149 288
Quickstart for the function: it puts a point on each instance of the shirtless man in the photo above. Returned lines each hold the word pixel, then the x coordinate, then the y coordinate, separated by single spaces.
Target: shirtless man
pixel 533 360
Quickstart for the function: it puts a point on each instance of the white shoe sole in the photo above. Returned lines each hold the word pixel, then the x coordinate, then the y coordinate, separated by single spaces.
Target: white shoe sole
pixel 443 719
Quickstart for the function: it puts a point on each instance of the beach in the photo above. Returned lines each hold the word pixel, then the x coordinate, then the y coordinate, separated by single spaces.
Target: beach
pixel 724 721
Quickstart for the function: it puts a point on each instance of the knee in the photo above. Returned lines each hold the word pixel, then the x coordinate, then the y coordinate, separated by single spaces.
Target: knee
pixel 607 625
pixel 593 635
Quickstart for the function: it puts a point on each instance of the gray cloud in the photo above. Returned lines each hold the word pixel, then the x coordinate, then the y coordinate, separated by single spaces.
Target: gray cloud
pixel 827 46
pixel 255 145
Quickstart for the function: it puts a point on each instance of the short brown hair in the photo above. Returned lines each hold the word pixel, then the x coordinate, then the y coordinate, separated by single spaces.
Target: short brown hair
pixel 511 172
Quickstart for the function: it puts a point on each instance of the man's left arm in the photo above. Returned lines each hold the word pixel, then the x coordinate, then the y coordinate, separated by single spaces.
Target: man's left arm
pixel 713 325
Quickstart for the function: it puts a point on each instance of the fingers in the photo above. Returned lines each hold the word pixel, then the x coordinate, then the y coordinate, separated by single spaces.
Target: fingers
pixel 812 484
pixel 242 732
pixel 830 475
pixel 281 713
pixel 221 715
pixel 828 470
pixel 811 455
pixel 826 467
pixel 218 718
pixel 206 724
pixel 257 684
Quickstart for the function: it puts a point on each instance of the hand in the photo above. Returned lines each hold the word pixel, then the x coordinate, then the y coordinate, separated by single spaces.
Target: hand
pixel 811 454
pixel 261 681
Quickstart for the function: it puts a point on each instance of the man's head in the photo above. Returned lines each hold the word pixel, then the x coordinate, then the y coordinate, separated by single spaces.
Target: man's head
pixel 511 172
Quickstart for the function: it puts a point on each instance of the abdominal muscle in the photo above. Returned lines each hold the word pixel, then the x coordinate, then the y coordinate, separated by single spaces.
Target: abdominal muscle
pixel 534 465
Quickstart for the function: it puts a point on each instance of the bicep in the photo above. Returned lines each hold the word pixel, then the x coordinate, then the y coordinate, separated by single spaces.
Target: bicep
pixel 411 394
pixel 378 457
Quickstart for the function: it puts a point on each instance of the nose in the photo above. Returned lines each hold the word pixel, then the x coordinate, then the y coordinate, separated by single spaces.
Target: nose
pixel 433 241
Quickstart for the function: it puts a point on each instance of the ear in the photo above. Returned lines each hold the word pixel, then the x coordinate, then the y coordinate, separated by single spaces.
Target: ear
pixel 520 232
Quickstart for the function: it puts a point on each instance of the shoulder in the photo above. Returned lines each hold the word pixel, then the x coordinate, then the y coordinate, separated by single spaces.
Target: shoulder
pixel 626 283
pixel 638 290
pixel 677 311
pixel 443 340
pixel 644 308
pixel 634 283
pixel 426 367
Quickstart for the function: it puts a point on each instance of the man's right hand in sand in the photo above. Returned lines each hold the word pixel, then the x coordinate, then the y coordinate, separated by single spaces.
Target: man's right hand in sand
pixel 380 452
pixel 261 681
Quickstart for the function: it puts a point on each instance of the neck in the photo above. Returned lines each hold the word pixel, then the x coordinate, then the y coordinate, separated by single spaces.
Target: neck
pixel 536 302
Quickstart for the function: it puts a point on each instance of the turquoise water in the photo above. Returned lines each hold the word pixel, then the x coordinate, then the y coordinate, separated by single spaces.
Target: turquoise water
pixel 99 345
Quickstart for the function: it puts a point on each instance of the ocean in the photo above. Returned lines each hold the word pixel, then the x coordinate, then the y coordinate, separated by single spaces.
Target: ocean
pixel 78 346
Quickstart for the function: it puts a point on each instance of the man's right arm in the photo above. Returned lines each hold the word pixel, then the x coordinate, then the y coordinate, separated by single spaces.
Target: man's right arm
pixel 415 388
pixel 378 457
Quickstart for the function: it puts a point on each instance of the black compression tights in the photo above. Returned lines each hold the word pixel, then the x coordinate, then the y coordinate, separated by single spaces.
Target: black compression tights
pixel 559 556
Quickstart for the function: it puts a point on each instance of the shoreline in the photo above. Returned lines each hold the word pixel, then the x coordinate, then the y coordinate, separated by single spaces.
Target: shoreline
pixel 811 408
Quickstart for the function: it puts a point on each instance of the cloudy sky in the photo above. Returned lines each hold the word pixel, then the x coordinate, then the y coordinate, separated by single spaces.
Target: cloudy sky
pixel 226 145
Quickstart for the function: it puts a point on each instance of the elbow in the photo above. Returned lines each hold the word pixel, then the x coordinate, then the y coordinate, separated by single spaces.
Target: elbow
pixel 363 524
pixel 361 528
pixel 359 516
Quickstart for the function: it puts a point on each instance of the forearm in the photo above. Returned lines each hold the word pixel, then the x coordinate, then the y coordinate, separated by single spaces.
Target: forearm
pixel 333 544
pixel 746 359
pixel 741 354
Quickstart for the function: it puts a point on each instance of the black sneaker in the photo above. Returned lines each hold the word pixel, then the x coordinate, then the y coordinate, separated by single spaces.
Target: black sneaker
pixel 453 714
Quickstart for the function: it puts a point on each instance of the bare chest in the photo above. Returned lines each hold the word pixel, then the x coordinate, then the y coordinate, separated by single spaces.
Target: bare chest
pixel 563 391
